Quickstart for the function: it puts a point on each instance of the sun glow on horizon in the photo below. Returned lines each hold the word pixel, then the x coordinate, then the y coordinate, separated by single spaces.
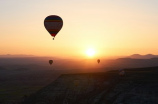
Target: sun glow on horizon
pixel 90 52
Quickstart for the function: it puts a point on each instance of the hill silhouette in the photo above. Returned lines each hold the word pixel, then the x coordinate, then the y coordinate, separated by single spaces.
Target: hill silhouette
pixel 20 76
pixel 147 56
pixel 42 63
pixel 138 86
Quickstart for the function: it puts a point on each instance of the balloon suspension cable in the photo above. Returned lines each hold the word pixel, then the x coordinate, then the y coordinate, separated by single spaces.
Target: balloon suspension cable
pixel 53 38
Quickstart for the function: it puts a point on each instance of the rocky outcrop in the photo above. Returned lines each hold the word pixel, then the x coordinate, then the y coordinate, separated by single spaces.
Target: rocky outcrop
pixel 136 87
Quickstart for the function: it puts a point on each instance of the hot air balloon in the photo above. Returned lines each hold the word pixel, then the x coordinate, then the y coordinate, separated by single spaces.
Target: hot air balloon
pixel 98 61
pixel 121 72
pixel 53 24
pixel 50 62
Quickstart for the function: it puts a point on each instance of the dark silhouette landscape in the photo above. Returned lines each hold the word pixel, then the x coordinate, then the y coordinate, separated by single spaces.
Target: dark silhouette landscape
pixel 24 76
pixel 78 52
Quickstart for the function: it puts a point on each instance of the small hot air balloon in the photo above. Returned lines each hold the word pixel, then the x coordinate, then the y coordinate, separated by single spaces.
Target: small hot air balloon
pixel 121 72
pixel 98 61
pixel 50 62
pixel 53 24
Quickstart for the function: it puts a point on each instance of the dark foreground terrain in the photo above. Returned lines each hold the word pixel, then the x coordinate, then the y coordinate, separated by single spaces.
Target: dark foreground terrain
pixel 137 86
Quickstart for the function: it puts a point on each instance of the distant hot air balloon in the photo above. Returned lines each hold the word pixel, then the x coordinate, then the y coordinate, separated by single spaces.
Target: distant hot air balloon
pixel 50 62
pixel 121 72
pixel 53 24
pixel 98 61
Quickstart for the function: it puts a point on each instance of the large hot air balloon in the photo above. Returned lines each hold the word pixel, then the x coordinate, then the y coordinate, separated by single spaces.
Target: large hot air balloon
pixel 53 24
pixel 98 61
pixel 50 62
pixel 121 72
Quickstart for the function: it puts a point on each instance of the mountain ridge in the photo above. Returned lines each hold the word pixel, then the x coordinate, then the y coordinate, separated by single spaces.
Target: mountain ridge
pixel 99 88
pixel 138 56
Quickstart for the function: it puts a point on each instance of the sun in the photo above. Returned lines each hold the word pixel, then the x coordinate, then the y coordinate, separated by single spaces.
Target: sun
pixel 90 52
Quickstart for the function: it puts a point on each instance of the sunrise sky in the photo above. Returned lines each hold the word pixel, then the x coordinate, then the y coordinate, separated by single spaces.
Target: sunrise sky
pixel 110 27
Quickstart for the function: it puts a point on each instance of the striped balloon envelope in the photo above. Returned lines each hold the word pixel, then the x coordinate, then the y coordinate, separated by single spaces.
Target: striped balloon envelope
pixel 50 62
pixel 53 24
pixel 121 72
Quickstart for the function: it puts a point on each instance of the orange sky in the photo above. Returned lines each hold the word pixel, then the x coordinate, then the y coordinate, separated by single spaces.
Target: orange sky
pixel 111 27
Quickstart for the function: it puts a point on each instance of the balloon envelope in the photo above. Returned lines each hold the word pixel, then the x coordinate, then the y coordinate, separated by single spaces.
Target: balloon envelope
pixel 50 62
pixel 98 61
pixel 121 72
pixel 53 24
